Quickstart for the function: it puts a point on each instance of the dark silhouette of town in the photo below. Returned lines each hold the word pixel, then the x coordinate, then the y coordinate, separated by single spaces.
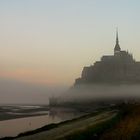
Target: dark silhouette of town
pixel 120 68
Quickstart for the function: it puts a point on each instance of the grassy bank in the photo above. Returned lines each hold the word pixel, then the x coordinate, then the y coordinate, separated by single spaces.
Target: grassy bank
pixel 128 128
pixel 124 126
pixel 93 132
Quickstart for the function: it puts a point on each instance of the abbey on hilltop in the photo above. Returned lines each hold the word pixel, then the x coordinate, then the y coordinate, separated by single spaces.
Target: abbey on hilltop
pixel 120 68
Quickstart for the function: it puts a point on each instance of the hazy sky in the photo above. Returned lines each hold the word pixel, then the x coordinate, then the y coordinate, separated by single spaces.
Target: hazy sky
pixel 48 42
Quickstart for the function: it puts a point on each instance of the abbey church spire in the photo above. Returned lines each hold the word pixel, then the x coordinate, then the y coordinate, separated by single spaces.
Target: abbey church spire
pixel 117 48
pixel 117 38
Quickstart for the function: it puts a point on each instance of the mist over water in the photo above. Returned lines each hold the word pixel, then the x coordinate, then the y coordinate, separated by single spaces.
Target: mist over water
pixel 17 92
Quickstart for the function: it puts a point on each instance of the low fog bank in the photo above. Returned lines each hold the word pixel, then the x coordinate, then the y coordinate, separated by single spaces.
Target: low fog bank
pixel 17 92
pixel 101 92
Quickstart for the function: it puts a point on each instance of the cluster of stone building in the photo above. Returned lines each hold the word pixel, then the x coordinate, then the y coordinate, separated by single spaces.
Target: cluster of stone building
pixel 118 68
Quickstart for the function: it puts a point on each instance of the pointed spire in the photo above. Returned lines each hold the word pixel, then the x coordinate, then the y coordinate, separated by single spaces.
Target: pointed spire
pixel 117 46
pixel 117 38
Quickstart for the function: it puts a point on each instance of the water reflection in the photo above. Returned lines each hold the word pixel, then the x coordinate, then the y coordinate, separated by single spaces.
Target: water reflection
pixel 15 126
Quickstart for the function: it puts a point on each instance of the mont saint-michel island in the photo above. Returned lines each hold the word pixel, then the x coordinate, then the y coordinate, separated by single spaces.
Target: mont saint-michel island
pixel 115 77
pixel 119 68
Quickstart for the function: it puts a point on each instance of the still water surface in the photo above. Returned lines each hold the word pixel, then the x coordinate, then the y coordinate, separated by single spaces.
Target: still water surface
pixel 15 126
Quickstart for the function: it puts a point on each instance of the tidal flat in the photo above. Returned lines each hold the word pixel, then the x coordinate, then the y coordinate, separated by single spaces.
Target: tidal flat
pixel 16 119
pixel 8 112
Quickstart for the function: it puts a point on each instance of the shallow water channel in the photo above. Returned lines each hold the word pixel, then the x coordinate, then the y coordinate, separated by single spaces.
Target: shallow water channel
pixel 15 126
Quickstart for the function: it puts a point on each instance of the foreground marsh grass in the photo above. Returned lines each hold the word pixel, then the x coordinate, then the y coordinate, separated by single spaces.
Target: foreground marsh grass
pixel 128 128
